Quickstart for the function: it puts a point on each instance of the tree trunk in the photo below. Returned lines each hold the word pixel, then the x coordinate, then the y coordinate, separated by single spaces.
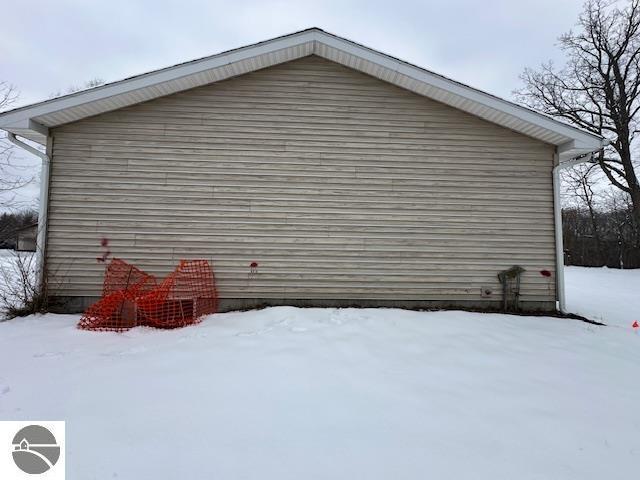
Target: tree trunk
pixel 635 201
pixel 630 174
pixel 596 234
pixel 588 198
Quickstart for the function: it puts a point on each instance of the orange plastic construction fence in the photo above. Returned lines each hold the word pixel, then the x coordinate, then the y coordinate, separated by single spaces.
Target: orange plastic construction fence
pixel 131 297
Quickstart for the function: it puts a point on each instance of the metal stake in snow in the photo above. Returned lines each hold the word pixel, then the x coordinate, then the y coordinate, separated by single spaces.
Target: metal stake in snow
pixel 253 270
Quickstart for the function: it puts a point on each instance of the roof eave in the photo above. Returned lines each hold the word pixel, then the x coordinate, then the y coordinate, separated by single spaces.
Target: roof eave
pixel 33 121
pixel 576 148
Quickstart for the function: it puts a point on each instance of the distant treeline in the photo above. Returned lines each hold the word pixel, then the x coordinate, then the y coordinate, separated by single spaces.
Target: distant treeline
pixel 10 222
pixel 595 238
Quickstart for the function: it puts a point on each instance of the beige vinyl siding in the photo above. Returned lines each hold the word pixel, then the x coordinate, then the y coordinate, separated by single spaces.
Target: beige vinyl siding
pixel 339 185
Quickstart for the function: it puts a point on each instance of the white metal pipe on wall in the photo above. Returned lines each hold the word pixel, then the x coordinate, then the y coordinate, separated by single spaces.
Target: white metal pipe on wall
pixel 41 238
pixel 557 213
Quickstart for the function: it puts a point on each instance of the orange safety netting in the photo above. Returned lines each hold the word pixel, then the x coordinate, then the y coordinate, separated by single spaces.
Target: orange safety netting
pixel 131 297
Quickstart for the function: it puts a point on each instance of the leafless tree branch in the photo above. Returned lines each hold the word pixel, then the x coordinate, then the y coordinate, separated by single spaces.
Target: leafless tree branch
pixel 12 177
pixel 598 89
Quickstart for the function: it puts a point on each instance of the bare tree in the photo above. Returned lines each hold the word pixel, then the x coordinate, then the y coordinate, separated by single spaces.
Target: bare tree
pixel 580 184
pixel 619 237
pixel 11 178
pixel 599 87
pixel 94 82
pixel 621 223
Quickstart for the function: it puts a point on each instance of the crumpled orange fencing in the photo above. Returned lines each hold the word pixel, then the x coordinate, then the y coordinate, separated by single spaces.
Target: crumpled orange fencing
pixel 132 297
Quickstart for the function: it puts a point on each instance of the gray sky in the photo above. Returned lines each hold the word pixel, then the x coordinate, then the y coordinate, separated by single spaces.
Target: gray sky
pixel 46 46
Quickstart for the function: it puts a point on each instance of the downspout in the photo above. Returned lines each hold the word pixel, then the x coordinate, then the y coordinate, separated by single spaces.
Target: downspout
pixel 557 214
pixel 41 238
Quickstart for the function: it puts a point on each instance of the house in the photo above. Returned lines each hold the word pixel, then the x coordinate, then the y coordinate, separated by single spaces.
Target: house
pixel 310 170
pixel 26 238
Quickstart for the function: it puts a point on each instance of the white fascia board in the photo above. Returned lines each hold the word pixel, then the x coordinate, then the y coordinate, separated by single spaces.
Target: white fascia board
pixel 566 147
pixel 21 116
pixel 20 120
pixel 570 150
pixel 38 128
pixel 459 89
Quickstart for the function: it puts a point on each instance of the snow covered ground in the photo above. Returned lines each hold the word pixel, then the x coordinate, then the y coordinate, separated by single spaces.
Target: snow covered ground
pixel 609 295
pixel 287 393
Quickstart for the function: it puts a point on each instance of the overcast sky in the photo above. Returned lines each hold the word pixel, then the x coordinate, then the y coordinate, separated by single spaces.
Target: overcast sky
pixel 47 46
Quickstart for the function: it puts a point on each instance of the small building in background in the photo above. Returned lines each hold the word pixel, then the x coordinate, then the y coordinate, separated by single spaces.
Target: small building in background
pixel 26 238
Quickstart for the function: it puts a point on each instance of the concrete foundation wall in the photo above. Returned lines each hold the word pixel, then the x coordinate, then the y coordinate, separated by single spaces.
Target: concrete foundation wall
pixel 79 304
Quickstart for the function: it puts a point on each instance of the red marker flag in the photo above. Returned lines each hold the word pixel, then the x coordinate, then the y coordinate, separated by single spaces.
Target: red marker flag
pixel 635 324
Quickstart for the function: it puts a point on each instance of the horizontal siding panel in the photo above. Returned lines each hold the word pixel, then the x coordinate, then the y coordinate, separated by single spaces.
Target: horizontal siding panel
pixel 275 277
pixel 77 248
pixel 357 208
pixel 338 175
pixel 482 203
pixel 255 151
pixel 234 258
pixel 245 159
pixel 265 226
pixel 339 185
pixel 161 185
pixel 307 137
